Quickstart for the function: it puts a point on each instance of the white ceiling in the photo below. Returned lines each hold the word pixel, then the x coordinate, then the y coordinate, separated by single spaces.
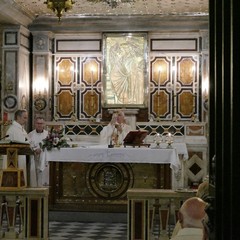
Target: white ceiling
pixel 34 9
pixel 139 7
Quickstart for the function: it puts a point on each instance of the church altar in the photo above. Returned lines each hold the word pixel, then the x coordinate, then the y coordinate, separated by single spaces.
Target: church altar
pixel 96 178
pixel 101 153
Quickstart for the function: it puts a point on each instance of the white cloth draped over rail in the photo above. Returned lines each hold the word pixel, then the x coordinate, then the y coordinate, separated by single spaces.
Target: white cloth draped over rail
pixel 100 153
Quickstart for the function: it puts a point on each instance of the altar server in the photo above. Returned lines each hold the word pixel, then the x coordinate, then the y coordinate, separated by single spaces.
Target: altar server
pixel 39 170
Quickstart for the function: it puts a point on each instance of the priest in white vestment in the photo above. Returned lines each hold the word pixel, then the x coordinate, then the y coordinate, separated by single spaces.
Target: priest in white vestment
pixel 16 132
pixel 115 132
pixel 39 169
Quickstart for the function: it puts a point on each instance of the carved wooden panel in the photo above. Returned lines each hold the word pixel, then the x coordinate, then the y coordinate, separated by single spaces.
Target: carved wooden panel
pixel 161 97
pixel 90 72
pixel 186 70
pixel 186 104
pixel 161 104
pixel 91 103
pixel 78 88
pixel 174 88
pixel 64 96
pixel 65 73
pixel 102 186
pixel 91 88
pixel 65 103
pixel 187 92
pixel 161 71
pixel 174 83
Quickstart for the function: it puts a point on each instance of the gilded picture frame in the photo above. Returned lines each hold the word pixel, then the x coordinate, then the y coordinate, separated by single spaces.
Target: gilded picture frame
pixel 124 70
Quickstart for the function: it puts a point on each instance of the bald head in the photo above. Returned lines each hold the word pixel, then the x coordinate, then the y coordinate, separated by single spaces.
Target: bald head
pixel 192 212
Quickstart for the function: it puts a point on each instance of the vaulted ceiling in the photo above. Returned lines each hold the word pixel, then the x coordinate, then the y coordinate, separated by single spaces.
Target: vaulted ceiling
pixel 89 16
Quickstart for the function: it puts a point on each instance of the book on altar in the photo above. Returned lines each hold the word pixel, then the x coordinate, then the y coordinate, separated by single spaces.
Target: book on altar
pixel 135 137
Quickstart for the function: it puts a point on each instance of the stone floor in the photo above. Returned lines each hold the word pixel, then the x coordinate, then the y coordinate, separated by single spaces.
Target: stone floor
pixel 87 231
pixel 87 226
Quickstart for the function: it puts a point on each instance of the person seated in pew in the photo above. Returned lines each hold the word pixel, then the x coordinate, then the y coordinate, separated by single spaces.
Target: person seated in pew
pixel 202 192
pixel 191 215
pixel 116 130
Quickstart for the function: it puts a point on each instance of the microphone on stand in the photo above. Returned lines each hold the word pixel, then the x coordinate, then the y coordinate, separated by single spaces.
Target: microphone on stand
pixel 4 137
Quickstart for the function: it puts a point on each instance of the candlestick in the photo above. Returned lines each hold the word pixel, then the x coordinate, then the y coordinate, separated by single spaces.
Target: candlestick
pixel 169 140
pixel 92 81
pixel 194 104
pixel 92 101
pixel 159 81
pixel 158 140
pixel 158 107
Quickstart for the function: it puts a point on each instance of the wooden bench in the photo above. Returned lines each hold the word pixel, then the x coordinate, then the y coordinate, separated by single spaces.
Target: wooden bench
pixel 151 209
pixel 24 213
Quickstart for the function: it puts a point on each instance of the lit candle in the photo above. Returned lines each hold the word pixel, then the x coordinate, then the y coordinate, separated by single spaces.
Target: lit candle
pixel 92 80
pixel 159 80
pixel 194 97
pixel 169 139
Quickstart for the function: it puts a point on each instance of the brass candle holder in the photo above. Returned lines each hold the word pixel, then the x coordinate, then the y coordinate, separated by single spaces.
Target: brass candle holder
pixel 169 140
pixel 158 140
pixel 157 119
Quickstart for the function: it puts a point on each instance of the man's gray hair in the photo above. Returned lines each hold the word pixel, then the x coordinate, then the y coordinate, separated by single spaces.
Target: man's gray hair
pixel 19 113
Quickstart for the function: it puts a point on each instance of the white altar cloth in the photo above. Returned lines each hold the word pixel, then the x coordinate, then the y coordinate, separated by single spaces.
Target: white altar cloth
pixel 99 153
pixel 181 148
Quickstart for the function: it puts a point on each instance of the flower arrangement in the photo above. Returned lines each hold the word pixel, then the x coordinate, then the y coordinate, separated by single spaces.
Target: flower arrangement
pixel 54 139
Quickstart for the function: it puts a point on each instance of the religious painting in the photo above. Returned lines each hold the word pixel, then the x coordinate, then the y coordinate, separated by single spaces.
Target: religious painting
pixel 125 68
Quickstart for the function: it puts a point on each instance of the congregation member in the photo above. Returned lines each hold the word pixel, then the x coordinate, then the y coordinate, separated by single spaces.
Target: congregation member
pixel 17 132
pixel 203 193
pixel 117 129
pixel 191 215
pixel 39 170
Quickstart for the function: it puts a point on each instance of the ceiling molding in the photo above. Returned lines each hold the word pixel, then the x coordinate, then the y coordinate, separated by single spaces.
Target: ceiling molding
pixel 120 23
pixel 12 13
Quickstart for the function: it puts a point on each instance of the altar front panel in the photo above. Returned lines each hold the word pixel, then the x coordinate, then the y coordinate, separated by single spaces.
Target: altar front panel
pixel 102 186
pixel 96 178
